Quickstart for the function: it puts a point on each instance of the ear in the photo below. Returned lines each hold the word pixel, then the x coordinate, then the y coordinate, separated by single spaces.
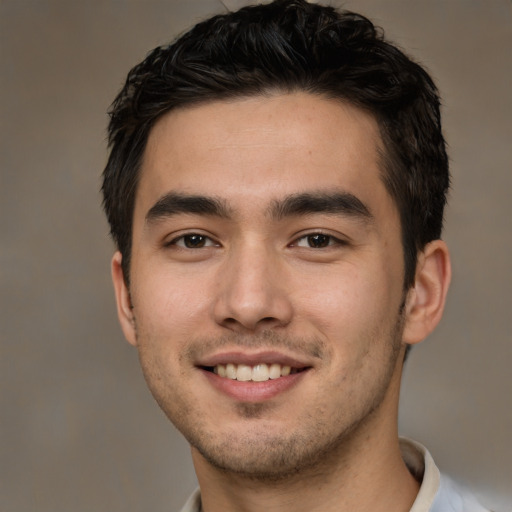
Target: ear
pixel 124 303
pixel 426 299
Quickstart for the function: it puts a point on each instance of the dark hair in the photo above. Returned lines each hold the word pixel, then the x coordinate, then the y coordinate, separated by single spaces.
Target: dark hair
pixel 286 46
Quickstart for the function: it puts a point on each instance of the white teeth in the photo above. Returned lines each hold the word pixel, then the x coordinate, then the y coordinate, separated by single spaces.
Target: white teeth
pixel 230 371
pixel 243 372
pixel 258 373
pixel 274 371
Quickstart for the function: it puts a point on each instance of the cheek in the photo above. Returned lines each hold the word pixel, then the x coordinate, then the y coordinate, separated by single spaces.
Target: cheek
pixel 351 308
pixel 333 298
pixel 170 307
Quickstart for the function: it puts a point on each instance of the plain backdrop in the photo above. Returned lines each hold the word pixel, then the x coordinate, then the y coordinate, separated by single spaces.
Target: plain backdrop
pixel 79 431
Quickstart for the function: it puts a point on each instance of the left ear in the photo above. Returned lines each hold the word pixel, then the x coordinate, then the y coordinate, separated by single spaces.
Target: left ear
pixel 426 299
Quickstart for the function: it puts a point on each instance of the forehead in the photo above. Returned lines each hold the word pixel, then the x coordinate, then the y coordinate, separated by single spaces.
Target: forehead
pixel 255 149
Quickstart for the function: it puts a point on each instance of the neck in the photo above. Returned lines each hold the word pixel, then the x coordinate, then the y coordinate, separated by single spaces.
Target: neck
pixel 381 487
pixel 365 472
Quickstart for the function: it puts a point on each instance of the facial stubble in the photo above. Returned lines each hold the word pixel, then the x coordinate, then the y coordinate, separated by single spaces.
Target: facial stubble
pixel 253 451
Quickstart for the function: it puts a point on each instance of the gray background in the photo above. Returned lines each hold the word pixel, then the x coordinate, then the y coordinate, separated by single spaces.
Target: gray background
pixel 79 430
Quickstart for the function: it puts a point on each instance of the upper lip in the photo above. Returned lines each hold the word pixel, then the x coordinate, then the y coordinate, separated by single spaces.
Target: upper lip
pixel 252 359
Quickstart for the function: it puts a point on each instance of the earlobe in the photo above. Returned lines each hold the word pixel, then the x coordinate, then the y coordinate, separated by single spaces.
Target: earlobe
pixel 123 300
pixel 426 299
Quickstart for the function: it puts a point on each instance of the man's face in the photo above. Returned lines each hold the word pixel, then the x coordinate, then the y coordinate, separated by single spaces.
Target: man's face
pixel 267 280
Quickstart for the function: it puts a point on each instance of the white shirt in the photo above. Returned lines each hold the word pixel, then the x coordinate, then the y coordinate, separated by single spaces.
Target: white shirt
pixel 438 493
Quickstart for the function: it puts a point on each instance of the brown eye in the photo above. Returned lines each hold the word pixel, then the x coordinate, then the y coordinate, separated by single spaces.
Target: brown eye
pixel 194 241
pixel 318 241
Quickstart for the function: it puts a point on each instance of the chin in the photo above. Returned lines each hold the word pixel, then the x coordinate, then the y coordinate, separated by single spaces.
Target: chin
pixel 266 455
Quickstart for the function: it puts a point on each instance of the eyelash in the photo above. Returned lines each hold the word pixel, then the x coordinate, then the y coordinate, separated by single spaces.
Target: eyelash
pixel 331 240
pixel 207 241
pixel 182 238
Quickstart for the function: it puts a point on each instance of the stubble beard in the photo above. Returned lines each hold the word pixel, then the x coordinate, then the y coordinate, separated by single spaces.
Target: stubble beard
pixel 259 455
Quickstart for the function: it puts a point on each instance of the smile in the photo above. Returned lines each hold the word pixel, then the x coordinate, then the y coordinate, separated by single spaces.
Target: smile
pixel 247 377
pixel 256 373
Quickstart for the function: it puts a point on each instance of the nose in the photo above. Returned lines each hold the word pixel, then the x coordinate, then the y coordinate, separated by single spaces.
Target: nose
pixel 252 293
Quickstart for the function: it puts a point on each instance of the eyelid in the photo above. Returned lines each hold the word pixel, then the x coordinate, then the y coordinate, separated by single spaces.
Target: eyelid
pixel 211 242
pixel 335 240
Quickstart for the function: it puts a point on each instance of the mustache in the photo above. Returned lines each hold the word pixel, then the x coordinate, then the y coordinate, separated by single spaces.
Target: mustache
pixel 310 347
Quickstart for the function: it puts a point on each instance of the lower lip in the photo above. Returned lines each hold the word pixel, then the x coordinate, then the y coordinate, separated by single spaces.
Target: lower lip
pixel 251 391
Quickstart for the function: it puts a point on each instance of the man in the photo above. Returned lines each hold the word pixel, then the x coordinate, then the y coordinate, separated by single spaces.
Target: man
pixel 276 187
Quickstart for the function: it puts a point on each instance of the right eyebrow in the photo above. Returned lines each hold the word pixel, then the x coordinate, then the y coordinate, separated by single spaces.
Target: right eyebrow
pixel 175 203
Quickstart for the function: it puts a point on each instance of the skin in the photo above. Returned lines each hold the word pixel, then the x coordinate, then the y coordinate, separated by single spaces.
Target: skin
pixel 258 282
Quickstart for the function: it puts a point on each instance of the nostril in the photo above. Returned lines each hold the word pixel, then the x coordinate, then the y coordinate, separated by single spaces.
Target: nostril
pixel 249 323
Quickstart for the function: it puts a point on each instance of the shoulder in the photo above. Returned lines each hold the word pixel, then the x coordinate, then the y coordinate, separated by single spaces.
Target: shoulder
pixel 453 498
pixel 438 492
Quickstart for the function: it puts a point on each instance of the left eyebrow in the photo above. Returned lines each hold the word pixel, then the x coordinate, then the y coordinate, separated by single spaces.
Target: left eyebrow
pixel 339 203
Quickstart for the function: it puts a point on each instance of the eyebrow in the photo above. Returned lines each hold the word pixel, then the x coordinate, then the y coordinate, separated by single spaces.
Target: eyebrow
pixel 338 203
pixel 176 203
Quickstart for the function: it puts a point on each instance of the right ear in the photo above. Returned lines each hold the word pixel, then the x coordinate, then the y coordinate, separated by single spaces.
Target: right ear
pixel 123 300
